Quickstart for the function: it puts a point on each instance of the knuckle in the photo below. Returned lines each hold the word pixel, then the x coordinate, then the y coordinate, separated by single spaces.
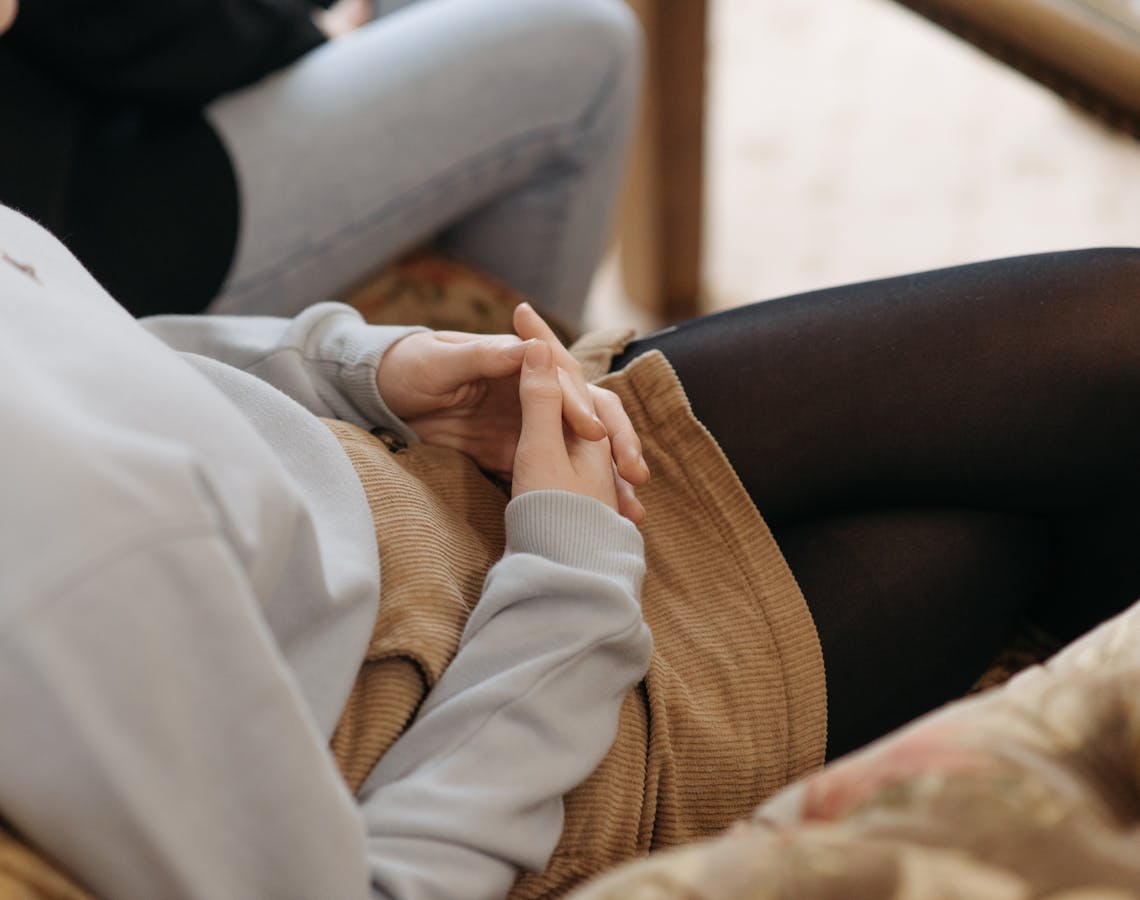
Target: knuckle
pixel 605 395
pixel 606 399
pixel 542 390
pixel 629 435
pixel 486 351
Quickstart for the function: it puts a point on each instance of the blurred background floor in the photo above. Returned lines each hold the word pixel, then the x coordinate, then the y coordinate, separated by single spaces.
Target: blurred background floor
pixel 850 139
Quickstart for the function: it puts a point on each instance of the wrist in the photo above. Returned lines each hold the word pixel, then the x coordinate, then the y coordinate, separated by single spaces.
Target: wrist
pixel 391 373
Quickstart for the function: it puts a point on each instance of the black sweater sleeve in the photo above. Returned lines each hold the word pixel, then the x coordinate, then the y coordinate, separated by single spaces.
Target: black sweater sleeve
pixel 163 51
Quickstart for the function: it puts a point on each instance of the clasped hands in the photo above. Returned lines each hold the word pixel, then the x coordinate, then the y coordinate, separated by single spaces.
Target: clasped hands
pixel 520 407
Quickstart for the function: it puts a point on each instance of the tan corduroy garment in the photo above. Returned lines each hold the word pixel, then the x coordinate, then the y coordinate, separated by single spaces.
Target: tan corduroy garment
pixel 733 706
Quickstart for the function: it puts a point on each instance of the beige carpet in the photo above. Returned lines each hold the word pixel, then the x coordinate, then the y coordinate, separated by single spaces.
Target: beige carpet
pixel 850 139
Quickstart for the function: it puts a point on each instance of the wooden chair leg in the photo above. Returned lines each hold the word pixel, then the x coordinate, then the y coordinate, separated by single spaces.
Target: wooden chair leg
pixel 662 214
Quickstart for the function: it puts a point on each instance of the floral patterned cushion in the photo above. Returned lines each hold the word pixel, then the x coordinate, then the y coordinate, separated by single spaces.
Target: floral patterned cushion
pixel 429 288
pixel 1031 790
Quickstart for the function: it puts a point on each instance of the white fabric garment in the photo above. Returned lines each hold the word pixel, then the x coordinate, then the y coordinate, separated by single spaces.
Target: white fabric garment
pixel 188 580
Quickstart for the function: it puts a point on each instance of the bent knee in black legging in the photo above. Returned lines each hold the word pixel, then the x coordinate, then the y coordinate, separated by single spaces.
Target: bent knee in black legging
pixel 1000 392
pixel 1009 384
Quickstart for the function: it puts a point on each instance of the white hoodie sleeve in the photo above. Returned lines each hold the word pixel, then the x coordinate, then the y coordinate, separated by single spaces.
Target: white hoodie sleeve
pixel 162 748
pixel 472 793
pixel 326 358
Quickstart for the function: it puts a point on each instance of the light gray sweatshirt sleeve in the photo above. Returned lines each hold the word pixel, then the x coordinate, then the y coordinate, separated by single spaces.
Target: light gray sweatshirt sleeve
pixel 145 665
pixel 471 794
pixel 468 797
pixel 325 358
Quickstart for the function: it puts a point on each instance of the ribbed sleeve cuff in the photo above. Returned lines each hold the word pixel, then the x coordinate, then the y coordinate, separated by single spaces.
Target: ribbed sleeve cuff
pixel 358 348
pixel 578 532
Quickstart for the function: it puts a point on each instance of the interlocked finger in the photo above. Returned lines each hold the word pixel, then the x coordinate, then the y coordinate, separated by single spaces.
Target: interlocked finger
pixel 578 405
pixel 625 443
pixel 628 504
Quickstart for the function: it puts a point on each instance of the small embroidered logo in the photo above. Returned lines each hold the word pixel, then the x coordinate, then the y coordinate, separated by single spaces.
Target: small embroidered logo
pixel 26 268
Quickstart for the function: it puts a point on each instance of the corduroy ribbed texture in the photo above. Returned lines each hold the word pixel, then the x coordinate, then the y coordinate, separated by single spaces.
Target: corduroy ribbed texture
pixel 734 704
pixel 439 529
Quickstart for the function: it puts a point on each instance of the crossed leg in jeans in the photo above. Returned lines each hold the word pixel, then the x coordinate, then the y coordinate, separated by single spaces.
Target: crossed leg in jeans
pixel 497 127
pixel 938 455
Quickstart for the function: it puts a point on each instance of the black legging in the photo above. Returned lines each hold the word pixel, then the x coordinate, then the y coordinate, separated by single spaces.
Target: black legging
pixel 938 455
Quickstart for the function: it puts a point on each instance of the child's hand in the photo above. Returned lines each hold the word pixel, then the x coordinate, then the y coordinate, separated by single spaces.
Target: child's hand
pixel 343 17
pixel 458 390
pixel 581 399
pixel 8 9
pixel 550 456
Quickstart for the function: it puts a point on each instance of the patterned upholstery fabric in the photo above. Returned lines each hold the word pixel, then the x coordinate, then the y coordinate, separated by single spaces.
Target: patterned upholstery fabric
pixel 1031 790
pixel 427 288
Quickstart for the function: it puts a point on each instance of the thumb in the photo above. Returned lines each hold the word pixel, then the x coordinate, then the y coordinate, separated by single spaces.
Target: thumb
pixel 494 356
pixel 540 396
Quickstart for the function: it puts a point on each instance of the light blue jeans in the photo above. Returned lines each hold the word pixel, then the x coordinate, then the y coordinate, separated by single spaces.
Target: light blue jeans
pixel 499 128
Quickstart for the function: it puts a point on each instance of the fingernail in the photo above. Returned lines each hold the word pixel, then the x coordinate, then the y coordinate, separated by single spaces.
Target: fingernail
pixel 539 357
pixel 516 351
pixel 601 425
pixel 644 467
